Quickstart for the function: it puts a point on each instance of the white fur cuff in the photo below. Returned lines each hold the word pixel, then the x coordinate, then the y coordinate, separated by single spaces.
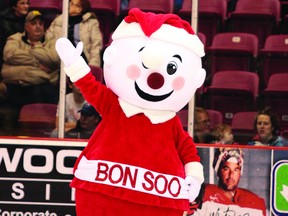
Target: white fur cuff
pixel 194 169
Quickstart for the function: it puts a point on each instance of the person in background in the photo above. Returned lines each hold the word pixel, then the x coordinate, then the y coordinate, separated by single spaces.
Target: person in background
pixel 227 198
pixel 82 26
pixel 267 126
pixel 12 20
pixel 86 125
pixel 177 5
pixel 201 124
pixel 31 65
pixel 220 134
pixel 73 103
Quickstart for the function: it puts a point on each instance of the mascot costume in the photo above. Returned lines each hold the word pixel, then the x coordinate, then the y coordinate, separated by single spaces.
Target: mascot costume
pixel 139 161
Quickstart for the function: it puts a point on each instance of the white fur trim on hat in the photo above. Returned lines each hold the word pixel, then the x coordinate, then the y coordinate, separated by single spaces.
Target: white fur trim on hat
pixel 166 33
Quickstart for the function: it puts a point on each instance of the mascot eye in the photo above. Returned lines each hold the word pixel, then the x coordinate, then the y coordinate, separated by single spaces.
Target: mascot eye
pixel 171 67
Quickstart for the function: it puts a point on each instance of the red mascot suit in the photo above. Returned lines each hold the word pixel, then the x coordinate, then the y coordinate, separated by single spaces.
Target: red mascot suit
pixel 139 161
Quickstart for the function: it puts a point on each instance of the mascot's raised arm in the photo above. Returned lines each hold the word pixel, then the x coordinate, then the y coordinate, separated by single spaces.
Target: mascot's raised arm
pixel 139 161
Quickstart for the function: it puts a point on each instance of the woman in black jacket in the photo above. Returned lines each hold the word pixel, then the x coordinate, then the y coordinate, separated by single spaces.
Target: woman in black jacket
pixel 12 20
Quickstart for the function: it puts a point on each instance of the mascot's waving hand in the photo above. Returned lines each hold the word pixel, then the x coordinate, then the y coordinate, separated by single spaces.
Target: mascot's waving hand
pixel 139 161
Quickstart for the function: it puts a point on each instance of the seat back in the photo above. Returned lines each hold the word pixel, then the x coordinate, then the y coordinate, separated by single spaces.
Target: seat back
pixel 37 119
pixel 97 72
pixel 159 6
pixel 276 96
pixel 183 115
pixel 259 17
pixel 278 81
pixel 273 56
pixel 215 117
pixel 233 51
pixel 231 92
pixel 259 6
pixel 237 80
pixel 107 12
pixel 203 38
pixel 243 126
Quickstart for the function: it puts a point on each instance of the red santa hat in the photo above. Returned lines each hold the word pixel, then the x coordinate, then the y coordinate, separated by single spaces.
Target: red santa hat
pixel 166 27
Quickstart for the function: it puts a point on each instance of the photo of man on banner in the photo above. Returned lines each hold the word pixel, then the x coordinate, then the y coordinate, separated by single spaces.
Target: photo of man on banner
pixel 227 198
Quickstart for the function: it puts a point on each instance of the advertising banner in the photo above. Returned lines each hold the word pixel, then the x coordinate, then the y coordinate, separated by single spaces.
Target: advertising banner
pixel 35 177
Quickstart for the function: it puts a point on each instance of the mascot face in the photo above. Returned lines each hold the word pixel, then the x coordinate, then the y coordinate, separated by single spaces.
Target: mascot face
pixel 152 73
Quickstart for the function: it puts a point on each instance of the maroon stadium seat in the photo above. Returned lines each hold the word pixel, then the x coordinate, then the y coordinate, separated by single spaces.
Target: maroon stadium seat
pixel 98 73
pixel 276 96
pixel 159 6
pixel 37 119
pixel 259 17
pixel 232 51
pixel 273 57
pixel 243 126
pixel 231 92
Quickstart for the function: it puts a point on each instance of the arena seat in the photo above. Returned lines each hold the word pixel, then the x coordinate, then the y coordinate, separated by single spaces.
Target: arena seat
pixel 276 96
pixel 273 57
pixel 159 6
pixel 243 126
pixel 37 119
pixel 259 17
pixel 232 51
pixel 231 92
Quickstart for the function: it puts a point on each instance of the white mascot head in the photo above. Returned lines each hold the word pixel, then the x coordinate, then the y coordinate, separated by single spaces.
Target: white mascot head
pixel 154 61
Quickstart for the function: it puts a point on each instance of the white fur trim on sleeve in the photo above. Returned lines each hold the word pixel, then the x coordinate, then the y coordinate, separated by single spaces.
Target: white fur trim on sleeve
pixel 194 169
pixel 77 70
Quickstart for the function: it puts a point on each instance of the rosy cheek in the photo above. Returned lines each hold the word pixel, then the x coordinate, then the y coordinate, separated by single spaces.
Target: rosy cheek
pixel 178 83
pixel 133 72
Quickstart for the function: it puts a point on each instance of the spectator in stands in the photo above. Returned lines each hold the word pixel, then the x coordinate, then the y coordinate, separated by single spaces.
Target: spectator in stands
pixel 12 20
pixel 73 103
pixel 220 134
pixel 31 65
pixel 231 6
pixel 227 198
pixel 177 5
pixel 29 72
pixel 201 124
pixel 267 126
pixel 86 125
pixel 83 26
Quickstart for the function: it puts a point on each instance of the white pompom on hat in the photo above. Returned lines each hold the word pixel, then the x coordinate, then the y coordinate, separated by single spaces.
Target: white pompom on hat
pixel 165 27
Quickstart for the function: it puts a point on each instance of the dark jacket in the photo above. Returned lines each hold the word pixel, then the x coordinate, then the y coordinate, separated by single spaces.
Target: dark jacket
pixel 9 24
pixel 78 132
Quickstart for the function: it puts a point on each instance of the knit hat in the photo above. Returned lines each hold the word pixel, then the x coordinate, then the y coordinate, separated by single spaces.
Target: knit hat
pixel 222 155
pixel 165 27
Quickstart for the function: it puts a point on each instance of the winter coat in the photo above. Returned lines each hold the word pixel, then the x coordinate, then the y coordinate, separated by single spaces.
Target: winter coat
pixel 23 62
pixel 89 33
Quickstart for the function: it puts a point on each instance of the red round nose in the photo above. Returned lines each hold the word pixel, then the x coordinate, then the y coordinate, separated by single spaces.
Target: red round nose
pixel 155 81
